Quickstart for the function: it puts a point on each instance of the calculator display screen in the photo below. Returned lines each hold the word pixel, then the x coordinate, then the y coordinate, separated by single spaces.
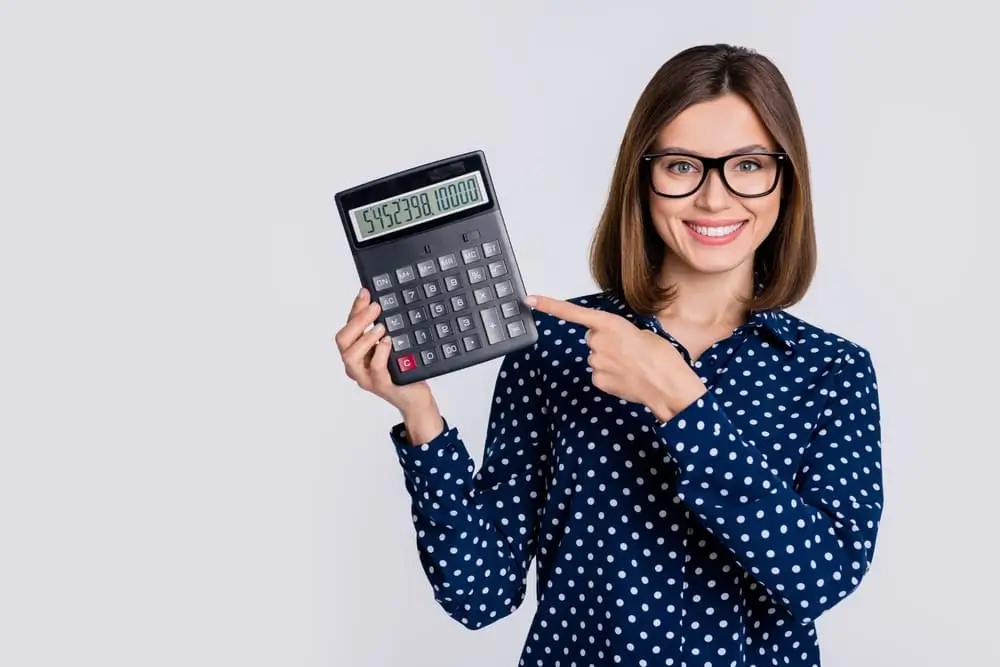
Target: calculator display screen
pixel 418 206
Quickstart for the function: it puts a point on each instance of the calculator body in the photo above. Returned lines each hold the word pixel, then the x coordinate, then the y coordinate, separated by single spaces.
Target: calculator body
pixel 431 246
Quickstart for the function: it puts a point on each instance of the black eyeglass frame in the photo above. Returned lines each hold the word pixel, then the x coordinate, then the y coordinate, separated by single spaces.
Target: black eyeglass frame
pixel 716 163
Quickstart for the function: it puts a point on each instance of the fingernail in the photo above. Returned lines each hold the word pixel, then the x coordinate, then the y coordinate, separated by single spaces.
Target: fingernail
pixel 530 300
pixel 361 292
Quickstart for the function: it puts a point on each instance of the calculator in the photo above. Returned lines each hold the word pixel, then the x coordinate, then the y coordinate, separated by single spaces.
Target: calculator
pixel 431 245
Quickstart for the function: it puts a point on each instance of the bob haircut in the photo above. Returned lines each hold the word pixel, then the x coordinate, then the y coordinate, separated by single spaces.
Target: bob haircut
pixel 626 253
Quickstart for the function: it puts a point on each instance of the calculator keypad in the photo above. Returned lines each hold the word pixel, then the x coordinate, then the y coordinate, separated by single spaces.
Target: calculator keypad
pixel 446 306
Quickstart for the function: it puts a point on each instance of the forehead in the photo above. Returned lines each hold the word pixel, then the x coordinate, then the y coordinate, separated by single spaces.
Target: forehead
pixel 716 127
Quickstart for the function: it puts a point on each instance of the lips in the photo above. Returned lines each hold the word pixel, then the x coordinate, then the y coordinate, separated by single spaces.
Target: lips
pixel 715 231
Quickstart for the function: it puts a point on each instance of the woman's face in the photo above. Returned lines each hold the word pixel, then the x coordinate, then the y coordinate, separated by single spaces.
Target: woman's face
pixel 712 230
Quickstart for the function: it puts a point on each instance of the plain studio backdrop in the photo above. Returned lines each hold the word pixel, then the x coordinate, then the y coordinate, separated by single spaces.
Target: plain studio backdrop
pixel 186 475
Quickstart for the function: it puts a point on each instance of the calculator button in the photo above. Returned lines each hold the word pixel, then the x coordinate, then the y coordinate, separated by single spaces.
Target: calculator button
pixel 401 342
pixel 476 275
pixel 417 316
pixel 482 295
pixel 471 343
pixel 470 255
pixel 509 309
pixel 426 268
pixel 421 336
pixel 458 302
pixel 504 289
pixel 382 282
pixel 432 289
pixel 491 322
pixel 404 274
pixel 452 283
pixel 428 356
pixel 491 249
pixel 437 309
pixel 389 301
pixel 515 328
pixel 447 262
pixel 471 235
pixel 443 329
pixel 449 350
pixel 410 295
pixel 465 323
pixel 497 269
pixel 407 362
pixel 394 323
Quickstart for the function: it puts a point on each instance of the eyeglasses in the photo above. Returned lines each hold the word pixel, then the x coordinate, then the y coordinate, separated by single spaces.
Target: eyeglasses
pixel 676 175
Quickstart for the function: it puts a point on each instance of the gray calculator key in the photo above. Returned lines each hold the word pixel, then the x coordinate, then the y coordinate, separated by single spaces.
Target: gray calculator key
pixel 401 342
pixel 491 323
pixel 394 323
pixel 447 262
pixel 417 316
pixel 382 282
pixel 476 275
pixel 509 308
pixel 471 343
pixel 497 269
pixel 504 289
pixel 426 268
pixel 410 295
pixel 470 255
pixel 491 249
pixel 452 283
pixel 438 309
pixel 458 302
pixel 482 295
pixel 389 301
pixel 449 349
pixel 421 336
pixel 405 274
pixel 428 356
pixel 465 323
pixel 431 289
pixel 443 329
pixel 515 328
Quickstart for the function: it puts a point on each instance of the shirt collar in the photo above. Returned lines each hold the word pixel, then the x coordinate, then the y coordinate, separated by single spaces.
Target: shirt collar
pixel 776 323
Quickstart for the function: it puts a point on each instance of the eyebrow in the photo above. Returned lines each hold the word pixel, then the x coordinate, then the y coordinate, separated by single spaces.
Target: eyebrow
pixel 752 148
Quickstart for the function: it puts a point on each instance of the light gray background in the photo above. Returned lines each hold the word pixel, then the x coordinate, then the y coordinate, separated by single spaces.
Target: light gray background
pixel 187 477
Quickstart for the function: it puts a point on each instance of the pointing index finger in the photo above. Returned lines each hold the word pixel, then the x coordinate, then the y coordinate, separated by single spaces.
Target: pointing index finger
pixel 565 310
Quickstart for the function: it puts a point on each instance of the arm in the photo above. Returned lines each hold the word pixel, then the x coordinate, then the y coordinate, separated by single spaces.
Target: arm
pixel 808 545
pixel 477 532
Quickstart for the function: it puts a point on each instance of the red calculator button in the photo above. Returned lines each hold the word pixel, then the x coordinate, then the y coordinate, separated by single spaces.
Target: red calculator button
pixel 406 362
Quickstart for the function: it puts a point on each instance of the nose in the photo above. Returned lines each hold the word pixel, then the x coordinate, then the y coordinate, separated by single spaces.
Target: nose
pixel 713 195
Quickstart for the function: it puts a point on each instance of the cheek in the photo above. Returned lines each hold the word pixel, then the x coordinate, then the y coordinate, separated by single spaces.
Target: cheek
pixel 665 213
pixel 765 213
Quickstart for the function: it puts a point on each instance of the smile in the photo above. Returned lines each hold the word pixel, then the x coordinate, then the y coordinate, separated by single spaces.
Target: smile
pixel 716 233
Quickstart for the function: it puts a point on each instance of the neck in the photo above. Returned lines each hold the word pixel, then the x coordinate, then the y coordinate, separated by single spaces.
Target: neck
pixel 707 299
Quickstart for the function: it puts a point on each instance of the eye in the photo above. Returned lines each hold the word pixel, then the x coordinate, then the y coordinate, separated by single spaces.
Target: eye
pixel 747 165
pixel 681 167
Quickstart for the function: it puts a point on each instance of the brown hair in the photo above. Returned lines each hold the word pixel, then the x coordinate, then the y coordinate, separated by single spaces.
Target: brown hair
pixel 626 252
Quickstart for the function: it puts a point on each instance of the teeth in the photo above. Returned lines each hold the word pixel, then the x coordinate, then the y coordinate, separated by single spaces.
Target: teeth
pixel 716 231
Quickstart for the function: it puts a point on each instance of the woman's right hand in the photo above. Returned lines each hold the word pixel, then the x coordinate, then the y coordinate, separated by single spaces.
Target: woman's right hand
pixel 366 361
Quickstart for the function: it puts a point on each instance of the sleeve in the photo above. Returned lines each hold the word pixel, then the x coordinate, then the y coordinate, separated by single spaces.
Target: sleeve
pixel 808 544
pixel 477 533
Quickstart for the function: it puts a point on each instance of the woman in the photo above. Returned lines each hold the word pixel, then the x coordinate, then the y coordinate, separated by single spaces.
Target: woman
pixel 695 471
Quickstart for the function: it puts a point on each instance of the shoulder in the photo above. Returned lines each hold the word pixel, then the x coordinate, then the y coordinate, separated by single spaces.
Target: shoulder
pixel 823 345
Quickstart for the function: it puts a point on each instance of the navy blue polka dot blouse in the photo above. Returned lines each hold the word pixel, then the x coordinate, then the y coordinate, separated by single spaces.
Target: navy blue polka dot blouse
pixel 715 538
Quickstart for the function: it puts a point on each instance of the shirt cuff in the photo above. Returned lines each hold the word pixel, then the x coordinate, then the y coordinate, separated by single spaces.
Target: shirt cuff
pixel 416 458
pixel 703 422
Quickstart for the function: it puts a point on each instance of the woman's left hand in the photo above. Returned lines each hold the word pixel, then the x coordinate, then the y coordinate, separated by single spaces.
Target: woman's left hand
pixel 628 362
